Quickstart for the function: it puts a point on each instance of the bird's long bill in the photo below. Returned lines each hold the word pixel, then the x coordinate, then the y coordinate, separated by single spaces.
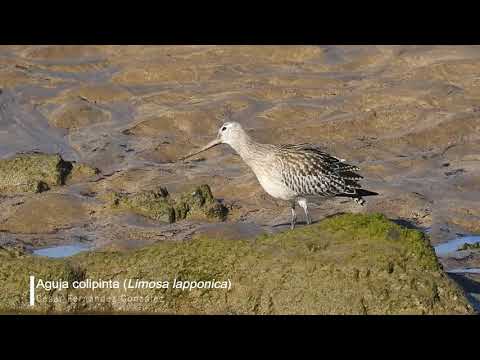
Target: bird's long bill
pixel 206 147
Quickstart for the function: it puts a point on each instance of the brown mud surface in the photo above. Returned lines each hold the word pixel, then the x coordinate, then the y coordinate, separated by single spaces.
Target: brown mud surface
pixel 408 116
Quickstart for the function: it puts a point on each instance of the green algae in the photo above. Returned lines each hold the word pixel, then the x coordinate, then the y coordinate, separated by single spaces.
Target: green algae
pixel 15 283
pixel 410 243
pixel 35 172
pixel 81 172
pixel 153 204
pixel 12 252
pixel 347 264
pixel 467 246
pixel 197 202
pixel 38 172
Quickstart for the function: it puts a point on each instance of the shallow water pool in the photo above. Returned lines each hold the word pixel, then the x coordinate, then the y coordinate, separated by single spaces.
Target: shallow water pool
pixel 61 251
pixel 464 271
pixel 453 245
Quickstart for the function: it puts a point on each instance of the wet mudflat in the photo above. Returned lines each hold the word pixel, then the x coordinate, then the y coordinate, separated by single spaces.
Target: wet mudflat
pixel 408 116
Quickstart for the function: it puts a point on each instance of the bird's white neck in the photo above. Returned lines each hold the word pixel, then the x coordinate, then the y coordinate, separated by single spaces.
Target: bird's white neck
pixel 248 149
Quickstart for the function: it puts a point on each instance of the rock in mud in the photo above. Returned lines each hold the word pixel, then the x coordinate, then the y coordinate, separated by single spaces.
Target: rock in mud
pixel 12 251
pixel 38 172
pixel 154 204
pixel 197 203
pixel 347 264
pixel 468 246
pixel 81 172
pixel 33 172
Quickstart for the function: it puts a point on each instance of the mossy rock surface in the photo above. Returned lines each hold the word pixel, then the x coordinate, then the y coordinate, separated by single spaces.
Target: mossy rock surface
pixel 154 204
pixel 198 202
pixel 81 172
pixel 35 172
pixel 347 264
pixel 475 246
pixel 38 172
pixel 195 203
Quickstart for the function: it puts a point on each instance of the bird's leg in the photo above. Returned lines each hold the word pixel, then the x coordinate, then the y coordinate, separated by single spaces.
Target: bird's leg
pixel 303 204
pixel 294 216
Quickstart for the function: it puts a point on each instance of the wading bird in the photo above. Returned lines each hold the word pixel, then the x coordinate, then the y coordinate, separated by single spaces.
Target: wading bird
pixel 292 173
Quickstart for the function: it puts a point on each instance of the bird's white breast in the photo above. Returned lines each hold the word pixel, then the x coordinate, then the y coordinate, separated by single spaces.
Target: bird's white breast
pixel 271 182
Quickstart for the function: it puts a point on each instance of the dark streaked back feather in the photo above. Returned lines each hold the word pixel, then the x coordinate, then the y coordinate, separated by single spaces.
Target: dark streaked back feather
pixel 308 170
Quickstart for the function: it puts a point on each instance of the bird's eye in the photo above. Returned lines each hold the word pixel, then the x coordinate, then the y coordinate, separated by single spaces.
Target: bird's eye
pixel 224 128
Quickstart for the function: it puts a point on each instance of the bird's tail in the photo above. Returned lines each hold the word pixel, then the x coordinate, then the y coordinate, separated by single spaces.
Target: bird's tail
pixel 358 195
pixel 363 192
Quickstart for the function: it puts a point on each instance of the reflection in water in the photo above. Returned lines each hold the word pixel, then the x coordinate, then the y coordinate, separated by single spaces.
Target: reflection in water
pixel 450 249
pixel 464 271
pixel 61 250
pixel 453 245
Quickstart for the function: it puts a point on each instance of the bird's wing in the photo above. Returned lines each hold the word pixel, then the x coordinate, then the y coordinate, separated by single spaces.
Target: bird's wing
pixel 307 169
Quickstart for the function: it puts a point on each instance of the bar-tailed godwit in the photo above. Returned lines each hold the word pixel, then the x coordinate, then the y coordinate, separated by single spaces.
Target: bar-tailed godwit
pixel 293 173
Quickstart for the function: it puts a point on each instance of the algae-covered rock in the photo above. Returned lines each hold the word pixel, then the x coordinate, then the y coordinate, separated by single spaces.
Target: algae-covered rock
pixel 38 172
pixel 197 203
pixel 81 172
pixel 15 292
pixel 468 246
pixel 33 172
pixel 154 204
pixel 347 264
pixel 12 251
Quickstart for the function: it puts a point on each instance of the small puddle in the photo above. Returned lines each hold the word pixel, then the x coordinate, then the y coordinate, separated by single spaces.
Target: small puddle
pixel 450 249
pixel 464 271
pixel 61 251
pixel 452 246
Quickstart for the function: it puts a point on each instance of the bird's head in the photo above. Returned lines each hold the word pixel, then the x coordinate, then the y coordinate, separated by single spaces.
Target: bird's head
pixel 229 133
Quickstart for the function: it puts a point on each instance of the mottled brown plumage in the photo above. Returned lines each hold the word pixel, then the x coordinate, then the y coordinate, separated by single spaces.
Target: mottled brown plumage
pixel 293 172
pixel 309 171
